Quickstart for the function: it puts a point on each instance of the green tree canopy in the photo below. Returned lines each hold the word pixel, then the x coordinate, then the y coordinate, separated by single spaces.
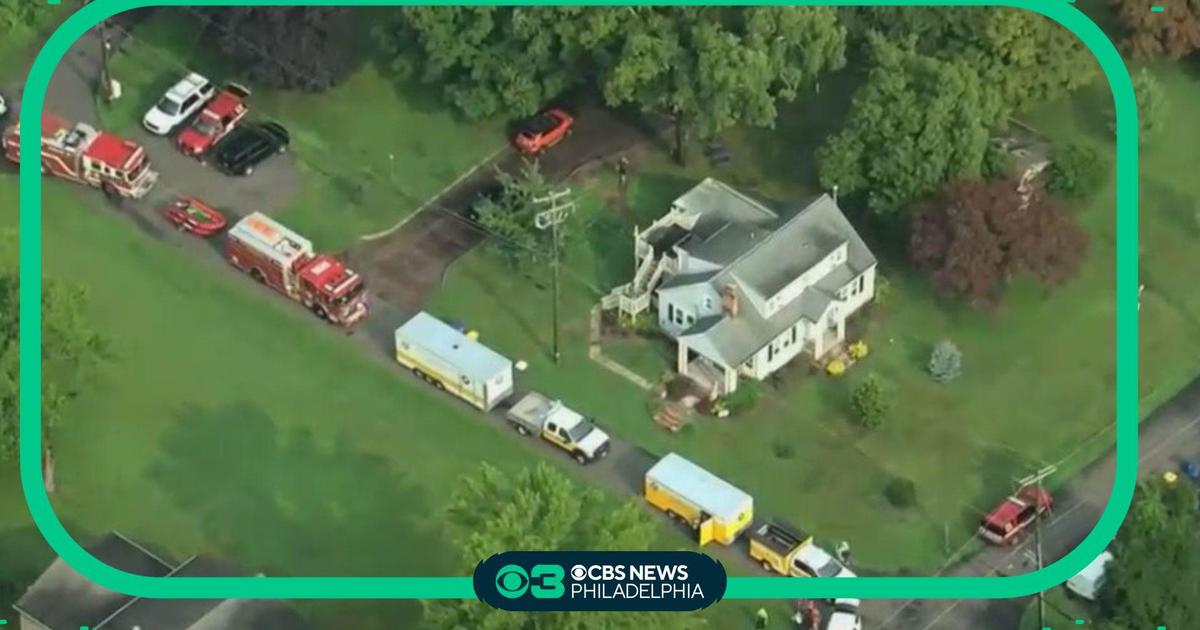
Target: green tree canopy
pixel 541 508
pixel 70 346
pixel 707 67
pixel 14 13
pixel 1154 579
pixel 511 217
pixel 917 123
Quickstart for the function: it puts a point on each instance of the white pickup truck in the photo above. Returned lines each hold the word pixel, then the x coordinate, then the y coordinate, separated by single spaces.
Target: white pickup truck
pixel 560 426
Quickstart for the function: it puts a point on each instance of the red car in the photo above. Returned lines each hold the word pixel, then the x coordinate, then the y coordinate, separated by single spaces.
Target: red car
pixel 543 131
pixel 1002 525
pixel 217 119
pixel 192 215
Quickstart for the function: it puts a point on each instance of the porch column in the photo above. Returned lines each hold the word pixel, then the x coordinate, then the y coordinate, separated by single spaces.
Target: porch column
pixel 731 379
pixel 841 329
pixel 818 341
pixel 681 358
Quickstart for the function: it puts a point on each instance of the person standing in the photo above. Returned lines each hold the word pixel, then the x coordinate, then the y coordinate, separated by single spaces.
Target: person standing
pixel 761 619
pixel 843 552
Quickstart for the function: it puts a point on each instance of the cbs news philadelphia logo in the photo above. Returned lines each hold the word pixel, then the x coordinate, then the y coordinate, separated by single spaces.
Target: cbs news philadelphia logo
pixel 597 580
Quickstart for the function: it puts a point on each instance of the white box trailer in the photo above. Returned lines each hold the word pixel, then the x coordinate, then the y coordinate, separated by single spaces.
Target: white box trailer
pixel 449 360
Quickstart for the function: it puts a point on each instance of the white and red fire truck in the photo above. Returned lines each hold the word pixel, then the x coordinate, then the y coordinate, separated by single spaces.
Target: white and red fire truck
pixel 83 154
pixel 284 260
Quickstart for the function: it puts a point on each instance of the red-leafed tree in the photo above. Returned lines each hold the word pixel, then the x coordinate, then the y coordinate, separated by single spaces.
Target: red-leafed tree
pixel 1173 32
pixel 976 236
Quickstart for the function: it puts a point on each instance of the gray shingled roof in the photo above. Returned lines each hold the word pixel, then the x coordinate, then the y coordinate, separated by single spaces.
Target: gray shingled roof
pixel 803 240
pixel 718 205
pixel 62 599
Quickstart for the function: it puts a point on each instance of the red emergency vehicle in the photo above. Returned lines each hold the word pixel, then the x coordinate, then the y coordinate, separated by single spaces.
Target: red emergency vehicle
pixel 215 121
pixel 83 154
pixel 1004 524
pixel 284 260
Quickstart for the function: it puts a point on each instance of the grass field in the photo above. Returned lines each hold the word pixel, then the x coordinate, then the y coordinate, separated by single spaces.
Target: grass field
pixel 1062 611
pixel 1039 377
pixel 371 151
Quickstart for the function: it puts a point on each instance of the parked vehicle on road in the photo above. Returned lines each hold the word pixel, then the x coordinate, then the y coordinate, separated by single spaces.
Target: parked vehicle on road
pixel 3 107
pixel 559 425
pixel 1087 582
pixel 813 561
pixel 543 131
pixel 1008 520
pixel 192 215
pixel 708 504
pixel 285 261
pixel 248 146
pixel 222 114
pixel 845 615
pixel 85 155
pixel 453 361
pixel 493 193
pixel 774 545
pixel 182 100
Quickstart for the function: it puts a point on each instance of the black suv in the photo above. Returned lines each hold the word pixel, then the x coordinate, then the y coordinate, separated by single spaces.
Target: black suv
pixel 247 146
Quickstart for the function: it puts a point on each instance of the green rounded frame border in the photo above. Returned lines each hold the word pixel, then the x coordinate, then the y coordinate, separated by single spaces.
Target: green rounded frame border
pixel 461 587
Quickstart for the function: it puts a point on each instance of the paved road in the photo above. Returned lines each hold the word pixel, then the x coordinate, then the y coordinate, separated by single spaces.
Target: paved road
pixel 1172 432
pixel 407 265
pixel 1169 435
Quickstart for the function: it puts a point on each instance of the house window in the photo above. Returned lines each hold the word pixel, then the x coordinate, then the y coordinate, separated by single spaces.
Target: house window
pixel 794 333
pixel 708 303
pixel 689 319
pixel 862 281
pixel 771 352
pixel 670 312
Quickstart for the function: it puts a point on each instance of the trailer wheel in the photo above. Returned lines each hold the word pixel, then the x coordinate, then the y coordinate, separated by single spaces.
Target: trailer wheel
pixel 581 458
pixel 258 275
pixel 249 171
pixel 767 567
pixel 521 429
pixel 438 384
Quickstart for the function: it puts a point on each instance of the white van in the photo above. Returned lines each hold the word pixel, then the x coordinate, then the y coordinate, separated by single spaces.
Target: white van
pixel 1087 582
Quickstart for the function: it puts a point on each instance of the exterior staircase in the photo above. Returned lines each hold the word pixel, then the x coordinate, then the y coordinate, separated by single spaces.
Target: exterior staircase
pixel 633 298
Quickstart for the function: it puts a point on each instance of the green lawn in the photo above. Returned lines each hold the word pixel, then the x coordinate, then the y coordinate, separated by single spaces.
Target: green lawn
pixel 371 150
pixel 1039 372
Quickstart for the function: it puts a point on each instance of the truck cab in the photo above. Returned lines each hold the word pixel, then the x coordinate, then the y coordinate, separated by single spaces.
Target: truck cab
pixel 332 291
pixel 560 426
pixel 775 546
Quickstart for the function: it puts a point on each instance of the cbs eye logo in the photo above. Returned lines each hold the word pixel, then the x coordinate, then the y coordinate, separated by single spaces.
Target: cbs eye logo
pixel 543 581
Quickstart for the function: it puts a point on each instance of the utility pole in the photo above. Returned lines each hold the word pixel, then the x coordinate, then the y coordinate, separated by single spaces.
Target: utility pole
pixel 558 212
pixel 1036 480
pixel 105 78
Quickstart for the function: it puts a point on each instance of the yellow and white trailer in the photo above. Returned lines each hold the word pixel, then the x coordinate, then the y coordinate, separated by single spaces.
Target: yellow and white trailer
pixel 454 362
pixel 710 505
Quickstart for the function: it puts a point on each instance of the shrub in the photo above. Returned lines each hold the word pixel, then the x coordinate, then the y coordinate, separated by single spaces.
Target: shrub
pixel 901 492
pixel 998 163
pixel 836 367
pixel 945 363
pixel 1076 171
pixel 871 401
pixel 783 450
pixel 858 350
pixel 745 397
pixel 883 289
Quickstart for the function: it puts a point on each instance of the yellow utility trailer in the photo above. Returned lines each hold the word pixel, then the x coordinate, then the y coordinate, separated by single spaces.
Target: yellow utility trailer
pixel 710 505
pixel 774 546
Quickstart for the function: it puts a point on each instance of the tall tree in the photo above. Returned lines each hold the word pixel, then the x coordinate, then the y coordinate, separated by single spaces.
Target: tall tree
pixel 1023 57
pixel 14 13
pixel 1172 32
pixel 71 347
pixel 304 48
pixel 541 508
pixel 710 68
pixel 511 217
pixel 1154 579
pixel 976 236
pixel 706 67
pixel 917 123
pixel 1152 106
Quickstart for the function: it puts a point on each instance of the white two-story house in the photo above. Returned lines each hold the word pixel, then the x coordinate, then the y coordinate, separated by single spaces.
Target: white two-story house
pixel 744 289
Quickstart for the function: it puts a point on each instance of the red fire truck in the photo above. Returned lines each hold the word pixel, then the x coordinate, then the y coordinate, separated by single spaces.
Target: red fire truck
pixel 81 153
pixel 284 260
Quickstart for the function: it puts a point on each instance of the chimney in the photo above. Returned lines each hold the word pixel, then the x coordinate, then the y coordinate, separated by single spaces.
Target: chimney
pixel 729 300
